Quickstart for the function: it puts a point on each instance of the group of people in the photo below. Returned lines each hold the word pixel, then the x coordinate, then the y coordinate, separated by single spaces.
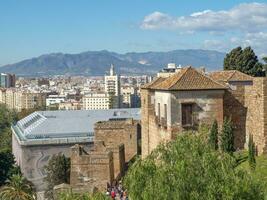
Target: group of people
pixel 117 192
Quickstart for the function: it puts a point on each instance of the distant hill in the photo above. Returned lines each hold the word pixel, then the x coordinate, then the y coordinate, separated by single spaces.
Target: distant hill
pixel 98 62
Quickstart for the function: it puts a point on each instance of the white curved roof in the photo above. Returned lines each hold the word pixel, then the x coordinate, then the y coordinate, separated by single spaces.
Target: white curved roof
pixel 67 124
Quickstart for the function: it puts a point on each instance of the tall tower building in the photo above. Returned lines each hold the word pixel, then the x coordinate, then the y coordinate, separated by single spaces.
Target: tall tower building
pixel 7 80
pixel 113 88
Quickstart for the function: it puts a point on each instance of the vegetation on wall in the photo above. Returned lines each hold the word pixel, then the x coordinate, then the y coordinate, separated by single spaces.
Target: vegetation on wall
pixel 58 171
pixel 213 135
pixel 251 153
pixel 227 137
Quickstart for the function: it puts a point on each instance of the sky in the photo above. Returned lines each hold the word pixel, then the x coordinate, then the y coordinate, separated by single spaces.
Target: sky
pixel 31 28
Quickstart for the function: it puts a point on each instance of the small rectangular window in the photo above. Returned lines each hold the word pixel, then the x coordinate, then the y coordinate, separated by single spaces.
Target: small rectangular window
pixel 165 111
pixel 187 114
pixel 159 110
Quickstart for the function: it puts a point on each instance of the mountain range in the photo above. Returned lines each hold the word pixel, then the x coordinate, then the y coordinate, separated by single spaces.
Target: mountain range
pixel 92 63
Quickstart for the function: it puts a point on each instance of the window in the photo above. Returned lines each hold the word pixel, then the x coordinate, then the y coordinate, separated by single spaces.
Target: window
pixel 165 111
pixel 159 110
pixel 187 114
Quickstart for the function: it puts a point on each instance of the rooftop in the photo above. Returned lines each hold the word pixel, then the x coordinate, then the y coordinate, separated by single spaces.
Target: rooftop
pixel 187 78
pixel 230 75
pixel 44 127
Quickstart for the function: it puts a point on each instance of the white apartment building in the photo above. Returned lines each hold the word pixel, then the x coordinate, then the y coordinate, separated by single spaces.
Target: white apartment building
pixel 97 101
pixel 20 99
pixel 112 87
pixel 55 99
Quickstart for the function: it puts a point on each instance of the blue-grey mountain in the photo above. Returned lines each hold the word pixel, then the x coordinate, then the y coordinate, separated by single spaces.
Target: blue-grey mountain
pixel 98 62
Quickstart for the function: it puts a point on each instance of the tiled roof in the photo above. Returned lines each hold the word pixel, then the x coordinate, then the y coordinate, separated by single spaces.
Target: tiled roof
pixel 230 75
pixel 153 83
pixel 188 79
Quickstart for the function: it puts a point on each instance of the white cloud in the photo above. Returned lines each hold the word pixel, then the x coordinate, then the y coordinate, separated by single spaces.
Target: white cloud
pixel 258 41
pixel 244 17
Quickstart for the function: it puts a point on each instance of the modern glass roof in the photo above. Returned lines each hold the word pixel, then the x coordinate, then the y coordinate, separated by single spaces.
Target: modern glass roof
pixel 67 124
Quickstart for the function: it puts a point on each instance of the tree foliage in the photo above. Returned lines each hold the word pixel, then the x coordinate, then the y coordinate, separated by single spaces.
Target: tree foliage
pixel 7 163
pixel 213 135
pixel 7 117
pixel 189 169
pixel 227 137
pixel 244 60
pixel 251 153
pixel 58 171
pixel 18 188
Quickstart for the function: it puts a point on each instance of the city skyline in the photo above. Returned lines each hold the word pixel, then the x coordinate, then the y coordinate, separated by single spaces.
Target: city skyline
pixel 33 28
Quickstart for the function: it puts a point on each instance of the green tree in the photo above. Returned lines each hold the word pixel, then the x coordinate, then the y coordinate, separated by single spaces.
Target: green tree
pixel 7 163
pixel 189 169
pixel 265 65
pixel 58 171
pixel 7 117
pixel 17 188
pixel 213 135
pixel 251 153
pixel 244 60
pixel 227 137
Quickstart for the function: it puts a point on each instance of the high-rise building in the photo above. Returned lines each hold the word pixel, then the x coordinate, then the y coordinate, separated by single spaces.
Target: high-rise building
pixel 7 80
pixel 112 87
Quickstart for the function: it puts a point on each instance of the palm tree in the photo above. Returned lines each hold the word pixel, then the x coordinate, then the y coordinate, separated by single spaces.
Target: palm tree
pixel 17 188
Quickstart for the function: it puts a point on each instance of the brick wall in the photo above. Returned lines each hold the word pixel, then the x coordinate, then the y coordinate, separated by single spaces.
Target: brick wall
pixel 256 103
pixel 125 132
pixel 91 169
pixel 235 109
pixel 208 105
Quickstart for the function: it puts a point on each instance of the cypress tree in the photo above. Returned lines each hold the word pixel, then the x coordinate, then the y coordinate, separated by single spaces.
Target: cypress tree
pixel 213 135
pixel 251 153
pixel 227 137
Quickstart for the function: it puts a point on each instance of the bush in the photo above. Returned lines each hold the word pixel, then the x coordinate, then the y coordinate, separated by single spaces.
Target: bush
pixel 213 135
pixel 188 168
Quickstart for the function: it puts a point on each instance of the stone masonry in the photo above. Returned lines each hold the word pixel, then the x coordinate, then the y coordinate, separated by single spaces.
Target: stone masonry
pixel 124 131
pixel 97 167
pixel 222 94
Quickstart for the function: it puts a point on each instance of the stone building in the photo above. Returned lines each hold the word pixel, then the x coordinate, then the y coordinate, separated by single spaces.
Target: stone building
pixel 42 134
pixel 96 168
pixel 190 97
pixel 122 131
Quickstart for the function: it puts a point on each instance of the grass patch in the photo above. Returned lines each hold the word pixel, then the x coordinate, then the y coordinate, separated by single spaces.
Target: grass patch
pixel 260 172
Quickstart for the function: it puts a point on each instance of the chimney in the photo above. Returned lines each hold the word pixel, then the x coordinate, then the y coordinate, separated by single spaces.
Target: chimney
pixel 202 69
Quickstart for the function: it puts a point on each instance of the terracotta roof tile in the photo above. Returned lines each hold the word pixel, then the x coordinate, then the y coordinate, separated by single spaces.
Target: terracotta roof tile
pixel 230 75
pixel 187 79
pixel 153 83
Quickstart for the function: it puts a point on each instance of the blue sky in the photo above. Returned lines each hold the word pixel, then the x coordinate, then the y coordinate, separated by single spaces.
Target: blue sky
pixel 33 27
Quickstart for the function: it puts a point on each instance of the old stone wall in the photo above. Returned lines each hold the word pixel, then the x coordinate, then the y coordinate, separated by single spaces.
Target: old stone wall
pixel 235 109
pixel 118 160
pixel 93 169
pixel 147 111
pixel 127 132
pixel 256 118
pixel 207 106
